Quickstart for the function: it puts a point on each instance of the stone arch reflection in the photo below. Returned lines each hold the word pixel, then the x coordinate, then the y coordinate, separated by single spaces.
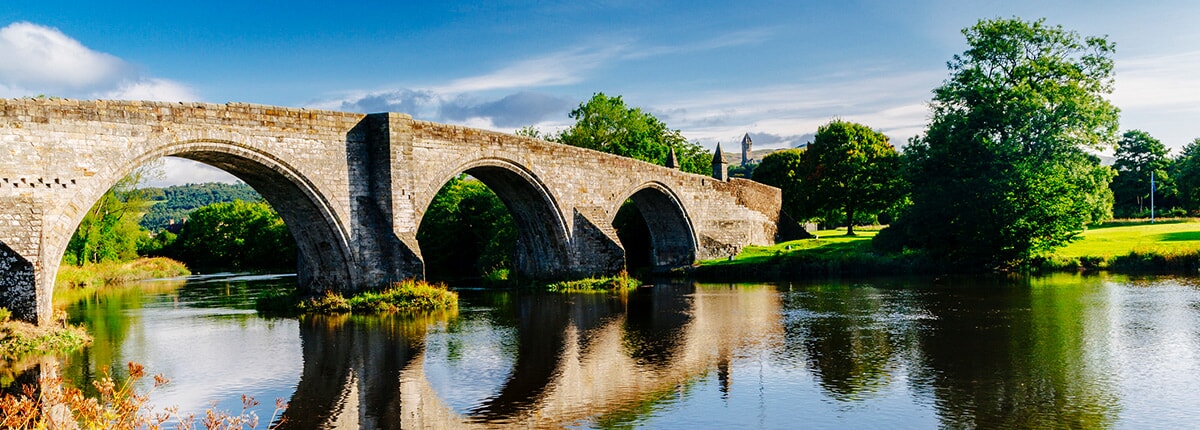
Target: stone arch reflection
pixel 573 360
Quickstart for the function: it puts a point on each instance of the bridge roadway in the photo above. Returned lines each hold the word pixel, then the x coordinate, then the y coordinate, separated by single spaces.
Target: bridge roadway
pixel 352 189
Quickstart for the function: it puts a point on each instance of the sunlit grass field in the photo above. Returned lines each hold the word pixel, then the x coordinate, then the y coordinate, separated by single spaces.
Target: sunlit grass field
pixel 1121 238
pixel 826 243
pixel 1170 244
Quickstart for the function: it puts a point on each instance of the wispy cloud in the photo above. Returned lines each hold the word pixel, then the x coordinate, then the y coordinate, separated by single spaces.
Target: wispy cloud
pixel 43 60
pixel 1160 95
pixel 726 40
pixel 893 103
pixel 558 68
pixel 1168 82
pixel 519 94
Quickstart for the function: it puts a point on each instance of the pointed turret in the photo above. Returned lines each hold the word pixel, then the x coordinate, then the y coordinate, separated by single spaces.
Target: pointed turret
pixel 720 167
pixel 672 160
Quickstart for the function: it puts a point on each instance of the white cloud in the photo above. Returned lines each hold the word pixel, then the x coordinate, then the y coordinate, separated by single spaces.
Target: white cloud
pixel 39 60
pixel 1167 81
pixel 183 171
pixel 42 56
pixel 152 89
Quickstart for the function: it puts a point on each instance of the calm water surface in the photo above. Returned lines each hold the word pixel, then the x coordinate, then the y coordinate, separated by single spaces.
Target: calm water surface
pixel 1060 352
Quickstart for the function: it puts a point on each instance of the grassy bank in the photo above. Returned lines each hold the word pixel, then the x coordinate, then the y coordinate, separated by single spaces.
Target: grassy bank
pixel 408 295
pixel 1171 245
pixel 18 339
pixel 100 275
pixel 22 344
pixel 830 253
pixel 1131 246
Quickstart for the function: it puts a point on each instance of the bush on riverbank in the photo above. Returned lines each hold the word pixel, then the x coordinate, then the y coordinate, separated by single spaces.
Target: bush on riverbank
pixel 618 283
pixel 408 295
pixel 99 275
pixel 119 405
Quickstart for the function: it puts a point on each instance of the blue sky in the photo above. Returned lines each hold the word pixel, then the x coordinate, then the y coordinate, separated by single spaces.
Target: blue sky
pixel 714 70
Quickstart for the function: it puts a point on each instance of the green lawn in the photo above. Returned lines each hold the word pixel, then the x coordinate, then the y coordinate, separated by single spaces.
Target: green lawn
pixel 828 243
pixel 1122 245
pixel 1121 239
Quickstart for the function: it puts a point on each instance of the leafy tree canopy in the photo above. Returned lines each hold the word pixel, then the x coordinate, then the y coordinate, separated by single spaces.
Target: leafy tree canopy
pixel 467 232
pixel 1186 171
pixel 235 235
pixel 1138 155
pixel 606 124
pixel 849 169
pixel 1000 174
pixel 780 169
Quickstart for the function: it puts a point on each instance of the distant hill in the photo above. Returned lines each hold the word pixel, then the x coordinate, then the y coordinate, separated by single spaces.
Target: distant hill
pixel 173 204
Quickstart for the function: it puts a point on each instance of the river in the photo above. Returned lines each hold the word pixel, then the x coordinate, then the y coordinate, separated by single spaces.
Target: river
pixel 1062 351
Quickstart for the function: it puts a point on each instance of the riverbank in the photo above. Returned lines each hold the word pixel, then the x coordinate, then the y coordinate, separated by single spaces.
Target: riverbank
pixel 1126 246
pixel 99 275
pixel 23 344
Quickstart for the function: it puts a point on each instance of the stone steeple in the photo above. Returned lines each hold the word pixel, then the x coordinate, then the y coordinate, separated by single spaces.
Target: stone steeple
pixel 720 167
pixel 672 160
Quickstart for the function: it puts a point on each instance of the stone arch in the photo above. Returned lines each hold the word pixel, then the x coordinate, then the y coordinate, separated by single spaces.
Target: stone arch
pixel 672 235
pixel 543 245
pixel 324 260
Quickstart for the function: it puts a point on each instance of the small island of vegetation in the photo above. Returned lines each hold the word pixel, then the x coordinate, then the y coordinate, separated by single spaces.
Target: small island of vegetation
pixel 408 295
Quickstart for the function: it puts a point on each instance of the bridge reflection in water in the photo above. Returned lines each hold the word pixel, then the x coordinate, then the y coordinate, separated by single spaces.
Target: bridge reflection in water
pixel 563 359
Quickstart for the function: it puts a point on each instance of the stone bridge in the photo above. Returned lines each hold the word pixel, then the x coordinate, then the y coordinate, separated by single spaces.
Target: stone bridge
pixel 352 189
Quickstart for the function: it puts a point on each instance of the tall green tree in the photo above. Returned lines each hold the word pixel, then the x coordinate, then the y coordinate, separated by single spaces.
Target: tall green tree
pixel 780 169
pixel 848 170
pixel 109 231
pixel 606 124
pixel 1138 155
pixel 1001 173
pixel 1186 171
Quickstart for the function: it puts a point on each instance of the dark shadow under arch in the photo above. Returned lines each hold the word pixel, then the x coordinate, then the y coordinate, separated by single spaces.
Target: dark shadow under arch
pixel 542 249
pixel 324 260
pixel 671 240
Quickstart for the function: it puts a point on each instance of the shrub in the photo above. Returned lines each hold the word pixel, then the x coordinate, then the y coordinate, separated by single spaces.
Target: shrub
pixel 119 406
pixel 619 283
pixel 401 296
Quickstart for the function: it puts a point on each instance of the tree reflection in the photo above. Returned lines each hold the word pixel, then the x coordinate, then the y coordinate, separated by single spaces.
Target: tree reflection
pixel 1012 354
pixel 851 336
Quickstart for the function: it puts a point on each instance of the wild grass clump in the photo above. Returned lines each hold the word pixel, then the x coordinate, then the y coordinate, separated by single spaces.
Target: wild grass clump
pixel 99 275
pixel 19 338
pixel 118 406
pixel 618 283
pixel 408 295
pixel 1159 261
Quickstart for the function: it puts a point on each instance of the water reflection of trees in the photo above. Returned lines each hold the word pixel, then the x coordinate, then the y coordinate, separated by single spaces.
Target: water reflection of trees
pixel 1015 354
pixel 852 337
